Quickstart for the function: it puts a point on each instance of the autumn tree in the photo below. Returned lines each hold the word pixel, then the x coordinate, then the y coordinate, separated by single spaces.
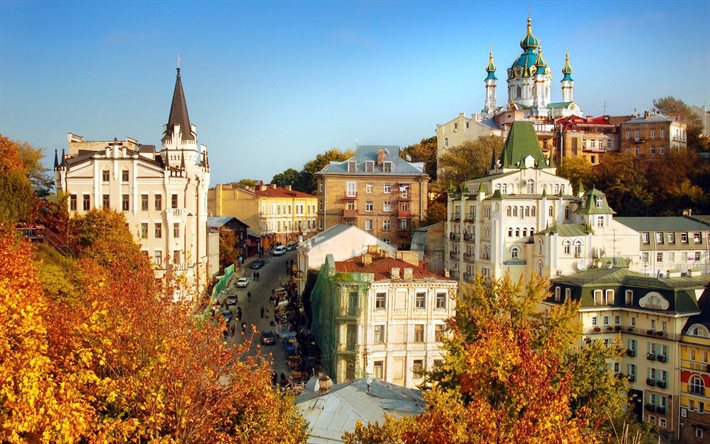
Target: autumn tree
pixel 436 212
pixel 511 373
pixel 468 161
pixel 675 107
pixel 623 178
pixel 17 199
pixel 228 251
pixel 577 169
pixel 424 151
pixel 32 157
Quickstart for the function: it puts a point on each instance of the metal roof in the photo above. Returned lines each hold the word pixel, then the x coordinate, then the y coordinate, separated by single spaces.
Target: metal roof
pixel 660 223
pixel 369 153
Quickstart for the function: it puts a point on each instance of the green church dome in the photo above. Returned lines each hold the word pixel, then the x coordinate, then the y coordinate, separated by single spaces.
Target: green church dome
pixel 529 41
pixel 567 69
pixel 491 68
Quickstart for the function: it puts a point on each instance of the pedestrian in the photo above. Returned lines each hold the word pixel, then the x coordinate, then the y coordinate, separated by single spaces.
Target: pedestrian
pixel 266 313
pixel 239 313
pixel 249 295
pixel 258 276
pixel 244 327
pixel 262 312
pixel 274 378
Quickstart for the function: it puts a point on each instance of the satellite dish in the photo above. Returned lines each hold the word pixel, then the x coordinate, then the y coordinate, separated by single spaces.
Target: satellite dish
pixel 581 265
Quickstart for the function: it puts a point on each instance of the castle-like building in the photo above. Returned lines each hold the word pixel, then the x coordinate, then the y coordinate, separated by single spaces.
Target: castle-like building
pixel 163 194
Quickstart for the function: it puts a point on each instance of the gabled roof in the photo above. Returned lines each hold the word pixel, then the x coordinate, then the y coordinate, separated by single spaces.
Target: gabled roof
pixel 337 230
pixel 562 105
pixel 651 117
pixel 567 230
pixel 370 153
pixel 178 113
pixel 281 192
pixel 669 223
pixel 220 221
pixel 521 143
pixel 381 267
pixel 589 203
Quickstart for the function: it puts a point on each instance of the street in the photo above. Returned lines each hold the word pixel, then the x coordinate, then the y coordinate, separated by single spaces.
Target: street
pixel 273 275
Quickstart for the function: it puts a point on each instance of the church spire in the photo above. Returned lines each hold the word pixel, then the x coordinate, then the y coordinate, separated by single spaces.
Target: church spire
pixel 178 114
pixel 491 68
pixel 56 160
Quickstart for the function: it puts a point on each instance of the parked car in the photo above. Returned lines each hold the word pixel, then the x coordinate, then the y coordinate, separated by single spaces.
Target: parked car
pixel 268 338
pixel 232 299
pixel 242 282
pixel 280 250
pixel 291 247
pixel 257 264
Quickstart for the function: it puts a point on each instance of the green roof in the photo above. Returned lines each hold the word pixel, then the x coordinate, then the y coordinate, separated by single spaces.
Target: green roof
pixel 590 206
pixel 521 143
pixel 555 105
pixel 670 223
pixel 568 230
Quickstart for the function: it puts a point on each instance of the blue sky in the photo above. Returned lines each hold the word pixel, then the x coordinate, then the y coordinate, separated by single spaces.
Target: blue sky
pixel 271 84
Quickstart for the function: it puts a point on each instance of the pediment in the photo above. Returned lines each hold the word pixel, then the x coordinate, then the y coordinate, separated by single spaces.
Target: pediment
pixel 654 301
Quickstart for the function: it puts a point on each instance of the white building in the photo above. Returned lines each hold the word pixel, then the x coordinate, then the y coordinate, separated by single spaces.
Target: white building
pixel 522 218
pixel 163 194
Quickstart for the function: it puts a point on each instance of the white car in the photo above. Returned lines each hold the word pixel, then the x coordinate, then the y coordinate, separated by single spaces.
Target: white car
pixel 280 250
pixel 242 282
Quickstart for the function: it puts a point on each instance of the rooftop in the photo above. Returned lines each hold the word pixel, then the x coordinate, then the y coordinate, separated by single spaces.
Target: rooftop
pixel 660 223
pixel 381 268
pixel 378 155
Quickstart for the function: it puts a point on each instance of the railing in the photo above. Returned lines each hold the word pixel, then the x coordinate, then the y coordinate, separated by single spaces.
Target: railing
pixel 650 356
pixel 699 366
pixel 404 197
pixel 454 236
pixel 456 218
pixel 661 409
pixel 469 257
pixel 651 407
pixel 469 237
pixel 631 352
pixel 176 212
pixel 42 233
pixel 470 217
pixel 404 214
pixel 454 255
pixel 661 384
pixel 351 195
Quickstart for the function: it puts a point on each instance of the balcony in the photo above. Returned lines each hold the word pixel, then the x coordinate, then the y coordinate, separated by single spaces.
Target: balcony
pixel 455 236
pixel 651 407
pixel 176 212
pixel 661 409
pixel 404 197
pixel 631 378
pixel 470 218
pixel 469 257
pixel 454 255
pixel 404 214
pixel 662 358
pixel 631 353
pixel 352 195
pixel 638 140
pixel 349 214
pixel 456 218
pixel 661 384
pixel 404 232
pixel 650 382
pixel 651 357
pixel 469 237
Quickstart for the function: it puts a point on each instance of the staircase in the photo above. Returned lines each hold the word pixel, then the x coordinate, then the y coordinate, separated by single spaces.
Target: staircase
pixel 40 233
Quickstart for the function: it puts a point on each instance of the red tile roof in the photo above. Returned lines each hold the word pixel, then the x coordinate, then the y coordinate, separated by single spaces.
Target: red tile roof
pixel 381 267
pixel 281 192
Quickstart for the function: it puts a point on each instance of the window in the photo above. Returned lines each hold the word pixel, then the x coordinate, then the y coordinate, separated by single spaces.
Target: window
pixel 369 166
pixel 158 230
pixel 378 370
pixel 368 188
pixel 617 320
pixel 368 224
pixel 644 238
pixel 125 202
pixel 352 167
pixel 379 334
pixel 106 201
pixel 352 303
pixel 633 321
pixel 144 231
pixel 558 294
pixel 551 211
pixel 87 202
pixel 699 432
pixel 514 252
pixel 606 321
pixel 697 256
pixel 387 167
pixel 124 175
pixel 158 258
pixel 578 248
pixel 351 189
pixel 439 332
pixel 659 256
pixel 597 297
pixel 387 189
pixel 381 301
pixel 697 238
pixel 531 186
pixel 600 221
pixel 609 297
pixel 659 237
pixel 568 294
pixel 418 367
pixel 176 256
pixel 420 299
pixel 697 385
pixel 72 202
pixel 174 201
pixel 144 202
pixel 645 257
pixel 158 202
pixel 441 300
pixel 594 321
pixel 567 246
pixel 176 230
pixel 351 337
pixel 684 238
pixel 671 238
pixel 368 206
pixel 629 297
pixel 418 332
pixel 387 207
pixel 105 176
pixel 386 225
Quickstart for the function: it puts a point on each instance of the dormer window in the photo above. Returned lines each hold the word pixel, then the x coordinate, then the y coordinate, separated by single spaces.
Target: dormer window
pixel 387 167
pixel 369 166
pixel 598 201
pixel 352 166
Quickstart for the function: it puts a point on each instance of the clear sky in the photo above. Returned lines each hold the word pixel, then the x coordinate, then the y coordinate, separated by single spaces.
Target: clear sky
pixel 271 84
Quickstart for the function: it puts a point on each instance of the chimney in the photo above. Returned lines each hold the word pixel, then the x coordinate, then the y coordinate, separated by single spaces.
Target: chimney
pixel 324 384
pixel 645 114
pixel 288 187
pixel 408 274
pixel 380 156
pixel 262 188
pixel 366 259
pixel 373 249
pixel 394 273
pixel 273 186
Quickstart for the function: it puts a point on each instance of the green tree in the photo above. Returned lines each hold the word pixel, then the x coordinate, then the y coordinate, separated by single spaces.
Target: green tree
pixel 623 178
pixel 309 181
pixel 244 183
pixel 577 170
pixel 288 177
pixel 469 160
pixel 32 157
pixel 424 151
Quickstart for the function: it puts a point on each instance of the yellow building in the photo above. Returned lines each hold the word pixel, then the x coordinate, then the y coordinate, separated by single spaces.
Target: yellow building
pixel 695 377
pixel 278 215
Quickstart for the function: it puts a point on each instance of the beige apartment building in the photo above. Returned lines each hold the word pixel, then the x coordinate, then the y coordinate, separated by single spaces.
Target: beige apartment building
pixel 161 193
pixel 377 191
pixel 276 214
pixel 652 134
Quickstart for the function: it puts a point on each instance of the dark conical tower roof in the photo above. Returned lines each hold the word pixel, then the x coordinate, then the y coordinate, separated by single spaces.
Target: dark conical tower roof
pixel 178 113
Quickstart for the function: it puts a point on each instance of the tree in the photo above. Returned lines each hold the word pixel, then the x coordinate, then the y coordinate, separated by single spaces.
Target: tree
pixel 469 160
pixel 311 167
pixel 244 183
pixel 623 178
pixel 17 199
pixel 674 107
pixel 37 173
pixel 577 170
pixel 511 374
pixel 436 212
pixel 228 251
pixel 424 151
pixel 288 177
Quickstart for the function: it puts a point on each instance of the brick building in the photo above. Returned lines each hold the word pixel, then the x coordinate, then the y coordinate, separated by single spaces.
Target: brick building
pixel 652 134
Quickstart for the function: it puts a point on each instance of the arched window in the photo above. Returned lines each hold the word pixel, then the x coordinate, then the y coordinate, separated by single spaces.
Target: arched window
pixel 566 245
pixel 517 232
pixel 497 186
pixel 551 211
pixel 578 248
pixel 515 211
pixel 532 211
pixel 518 92
pixel 504 188
pixel 525 232
pixel 557 188
pixel 531 186
pixel 507 210
pixel 539 268
pixel 567 212
pixel 539 246
pixel 558 292
pixel 568 294
pixel 510 232
pixel 527 211
pixel 562 189
pixel 697 385
pixel 515 252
